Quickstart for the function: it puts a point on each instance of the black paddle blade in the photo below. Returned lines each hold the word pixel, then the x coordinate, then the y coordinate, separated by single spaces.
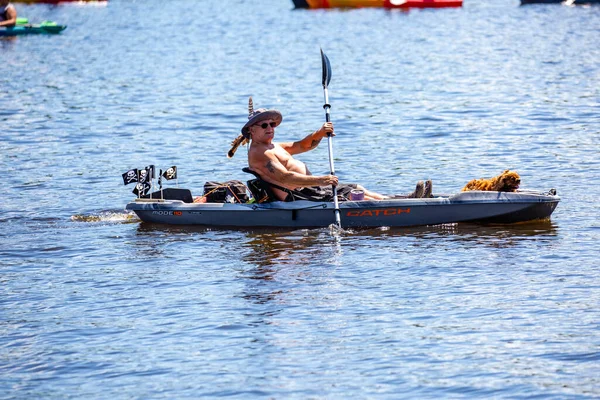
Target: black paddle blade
pixel 326 69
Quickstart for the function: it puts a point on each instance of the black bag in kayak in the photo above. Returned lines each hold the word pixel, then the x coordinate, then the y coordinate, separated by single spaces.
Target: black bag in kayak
pixel 225 192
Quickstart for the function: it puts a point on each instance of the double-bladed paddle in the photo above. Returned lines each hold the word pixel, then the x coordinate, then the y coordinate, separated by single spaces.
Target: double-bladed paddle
pixel 327 106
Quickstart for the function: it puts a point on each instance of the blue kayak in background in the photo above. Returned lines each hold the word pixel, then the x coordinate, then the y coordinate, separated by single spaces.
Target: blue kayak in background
pixel 23 28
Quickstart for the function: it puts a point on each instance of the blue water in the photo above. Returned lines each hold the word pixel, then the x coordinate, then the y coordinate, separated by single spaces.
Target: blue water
pixel 95 304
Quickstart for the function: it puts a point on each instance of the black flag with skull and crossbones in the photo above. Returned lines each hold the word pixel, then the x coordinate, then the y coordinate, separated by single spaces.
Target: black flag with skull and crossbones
pixel 130 176
pixel 144 182
pixel 170 173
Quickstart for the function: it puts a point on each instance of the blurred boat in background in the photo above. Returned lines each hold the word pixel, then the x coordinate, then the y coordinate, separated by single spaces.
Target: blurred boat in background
pixel 565 2
pixel 377 3
pixel 59 1
pixel 23 27
pixel 422 3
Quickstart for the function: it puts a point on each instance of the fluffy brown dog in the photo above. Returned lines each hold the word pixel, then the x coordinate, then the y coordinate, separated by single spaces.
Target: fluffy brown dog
pixel 508 181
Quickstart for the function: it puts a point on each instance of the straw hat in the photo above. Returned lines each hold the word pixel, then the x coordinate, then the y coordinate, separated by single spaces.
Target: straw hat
pixel 256 116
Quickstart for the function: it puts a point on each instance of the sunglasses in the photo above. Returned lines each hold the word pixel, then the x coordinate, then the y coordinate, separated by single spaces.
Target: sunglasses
pixel 265 124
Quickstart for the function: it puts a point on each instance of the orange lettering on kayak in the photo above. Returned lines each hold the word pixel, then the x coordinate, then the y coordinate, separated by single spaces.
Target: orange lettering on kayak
pixel 386 212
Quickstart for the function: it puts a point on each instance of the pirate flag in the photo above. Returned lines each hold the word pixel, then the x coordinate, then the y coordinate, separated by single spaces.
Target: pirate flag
pixel 143 176
pixel 130 176
pixel 151 172
pixel 144 181
pixel 170 173
pixel 142 188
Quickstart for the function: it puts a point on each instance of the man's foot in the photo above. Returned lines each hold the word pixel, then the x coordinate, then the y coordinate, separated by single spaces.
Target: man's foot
pixel 419 190
pixel 428 189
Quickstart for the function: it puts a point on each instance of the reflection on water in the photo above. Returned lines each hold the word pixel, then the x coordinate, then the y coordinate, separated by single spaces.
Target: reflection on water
pixel 272 259
pixel 274 240
pixel 277 263
pixel 301 246
pixel 269 249
pixel 467 230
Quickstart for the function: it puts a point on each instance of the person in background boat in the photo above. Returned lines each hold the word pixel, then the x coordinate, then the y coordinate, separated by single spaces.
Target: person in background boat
pixel 275 163
pixel 8 14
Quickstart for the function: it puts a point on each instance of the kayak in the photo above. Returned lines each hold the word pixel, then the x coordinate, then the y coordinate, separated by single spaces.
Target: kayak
pixel 567 2
pixel 377 3
pixel 33 29
pixel 61 1
pixel 422 3
pixel 337 3
pixel 46 27
pixel 229 205
pixel 471 206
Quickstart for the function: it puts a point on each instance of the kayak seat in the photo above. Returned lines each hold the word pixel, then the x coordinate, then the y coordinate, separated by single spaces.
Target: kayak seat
pixel 262 190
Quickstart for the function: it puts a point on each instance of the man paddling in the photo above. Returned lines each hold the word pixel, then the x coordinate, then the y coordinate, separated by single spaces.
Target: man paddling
pixel 275 163
pixel 8 14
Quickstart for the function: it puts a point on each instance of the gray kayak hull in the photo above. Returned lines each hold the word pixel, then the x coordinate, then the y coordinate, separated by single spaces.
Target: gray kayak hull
pixel 484 207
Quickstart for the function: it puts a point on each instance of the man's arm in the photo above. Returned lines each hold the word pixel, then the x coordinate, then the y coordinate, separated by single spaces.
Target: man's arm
pixel 11 15
pixel 309 142
pixel 271 170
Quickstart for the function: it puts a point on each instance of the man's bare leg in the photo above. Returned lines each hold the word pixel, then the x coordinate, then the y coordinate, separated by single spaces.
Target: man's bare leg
pixel 371 195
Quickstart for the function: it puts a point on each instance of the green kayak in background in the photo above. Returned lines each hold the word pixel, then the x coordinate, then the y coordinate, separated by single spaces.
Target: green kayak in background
pixel 24 28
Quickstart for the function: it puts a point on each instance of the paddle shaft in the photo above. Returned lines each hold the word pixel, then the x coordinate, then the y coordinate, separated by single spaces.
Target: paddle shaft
pixel 327 106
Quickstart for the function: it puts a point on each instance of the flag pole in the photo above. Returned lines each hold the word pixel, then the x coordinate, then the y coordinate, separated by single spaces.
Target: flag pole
pixel 162 197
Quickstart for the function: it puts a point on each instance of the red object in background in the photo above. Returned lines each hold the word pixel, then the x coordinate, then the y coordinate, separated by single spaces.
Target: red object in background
pixel 422 3
pixel 58 1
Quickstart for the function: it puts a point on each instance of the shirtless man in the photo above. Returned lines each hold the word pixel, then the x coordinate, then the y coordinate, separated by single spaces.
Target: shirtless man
pixel 8 14
pixel 275 163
